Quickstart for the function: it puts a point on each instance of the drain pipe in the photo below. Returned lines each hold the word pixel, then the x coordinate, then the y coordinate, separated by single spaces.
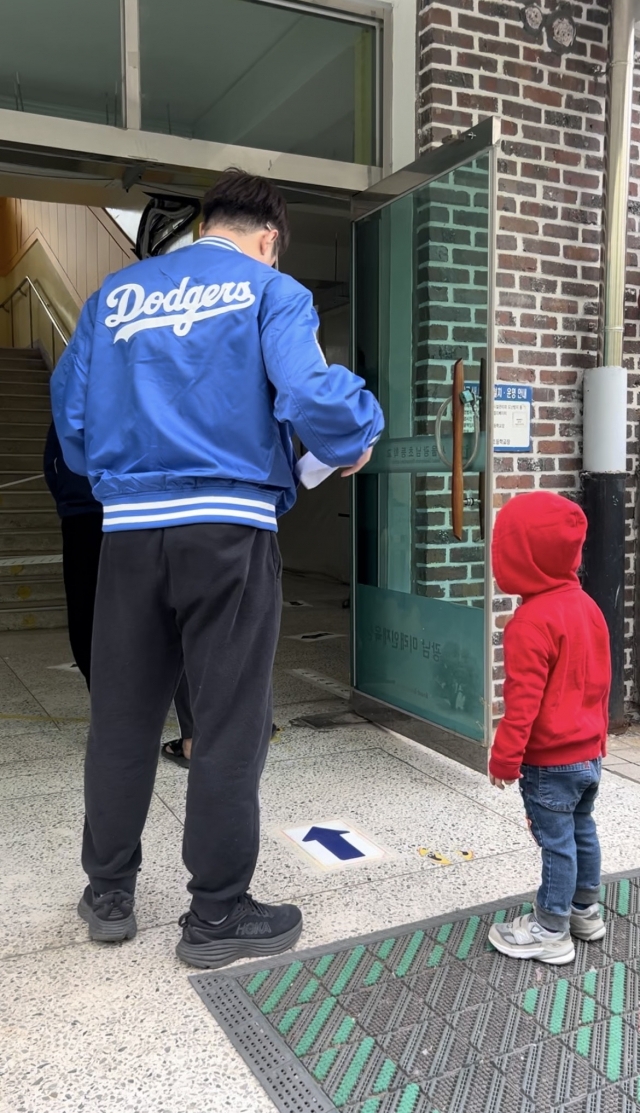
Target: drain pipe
pixel 605 387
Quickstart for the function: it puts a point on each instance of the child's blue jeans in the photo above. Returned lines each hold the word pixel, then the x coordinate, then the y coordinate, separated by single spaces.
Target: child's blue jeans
pixel 559 801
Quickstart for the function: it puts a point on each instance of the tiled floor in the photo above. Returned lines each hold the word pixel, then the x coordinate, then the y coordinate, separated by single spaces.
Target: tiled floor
pixel 118 1029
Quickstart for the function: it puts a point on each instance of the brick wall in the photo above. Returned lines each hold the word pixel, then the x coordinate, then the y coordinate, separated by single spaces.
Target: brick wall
pixel 476 60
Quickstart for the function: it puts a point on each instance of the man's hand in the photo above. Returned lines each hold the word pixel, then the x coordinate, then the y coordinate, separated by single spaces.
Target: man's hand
pixel 364 459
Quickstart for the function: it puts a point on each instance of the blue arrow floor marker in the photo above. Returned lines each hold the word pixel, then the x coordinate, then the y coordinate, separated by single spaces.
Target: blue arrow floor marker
pixel 334 842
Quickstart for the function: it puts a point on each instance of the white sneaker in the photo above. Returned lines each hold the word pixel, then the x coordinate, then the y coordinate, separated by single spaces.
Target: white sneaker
pixel 524 937
pixel 587 923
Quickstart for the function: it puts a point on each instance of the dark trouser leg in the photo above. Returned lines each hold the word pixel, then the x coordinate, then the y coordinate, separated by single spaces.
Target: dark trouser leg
pixel 182 703
pixel 81 544
pixel 226 589
pixel 136 665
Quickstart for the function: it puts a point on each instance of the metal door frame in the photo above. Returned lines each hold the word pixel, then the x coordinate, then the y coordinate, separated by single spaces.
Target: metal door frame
pixel 477 141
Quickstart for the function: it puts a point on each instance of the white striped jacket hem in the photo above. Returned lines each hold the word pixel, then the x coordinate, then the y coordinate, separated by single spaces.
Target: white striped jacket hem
pixel 158 514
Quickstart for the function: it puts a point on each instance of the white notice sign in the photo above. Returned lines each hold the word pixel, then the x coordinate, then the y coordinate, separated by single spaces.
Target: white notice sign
pixel 512 418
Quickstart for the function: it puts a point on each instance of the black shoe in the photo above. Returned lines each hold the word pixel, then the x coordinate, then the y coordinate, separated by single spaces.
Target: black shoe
pixel 251 930
pixel 110 917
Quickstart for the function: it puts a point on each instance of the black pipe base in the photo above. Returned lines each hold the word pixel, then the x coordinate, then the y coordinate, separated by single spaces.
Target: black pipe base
pixel 603 570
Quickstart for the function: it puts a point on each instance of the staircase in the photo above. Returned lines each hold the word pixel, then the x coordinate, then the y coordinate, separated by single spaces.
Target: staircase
pixel 31 587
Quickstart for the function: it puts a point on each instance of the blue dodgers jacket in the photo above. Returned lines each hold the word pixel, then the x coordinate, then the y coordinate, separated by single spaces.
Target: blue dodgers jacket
pixel 182 385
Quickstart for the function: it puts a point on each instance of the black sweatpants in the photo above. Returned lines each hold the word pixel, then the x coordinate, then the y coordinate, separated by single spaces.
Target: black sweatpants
pixel 209 595
pixel 81 542
pixel 182 703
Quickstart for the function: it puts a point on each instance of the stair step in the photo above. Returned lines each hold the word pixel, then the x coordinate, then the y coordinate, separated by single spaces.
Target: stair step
pixel 27 363
pixel 33 618
pixel 27 496
pixel 17 518
pixel 21 463
pixel 23 592
pixel 25 410
pixel 32 430
pixel 21 353
pixel 28 437
pixel 26 567
pixel 29 542
pixel 24 395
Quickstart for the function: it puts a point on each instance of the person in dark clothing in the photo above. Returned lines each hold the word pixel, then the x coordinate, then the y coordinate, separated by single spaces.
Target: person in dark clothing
pixel 81 521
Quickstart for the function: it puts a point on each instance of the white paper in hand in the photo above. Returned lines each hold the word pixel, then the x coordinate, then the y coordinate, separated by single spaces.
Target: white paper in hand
pixel 311 472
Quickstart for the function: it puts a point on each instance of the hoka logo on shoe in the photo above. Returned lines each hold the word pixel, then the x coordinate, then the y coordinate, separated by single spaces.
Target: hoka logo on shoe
pixel 259 927
pixel 136 310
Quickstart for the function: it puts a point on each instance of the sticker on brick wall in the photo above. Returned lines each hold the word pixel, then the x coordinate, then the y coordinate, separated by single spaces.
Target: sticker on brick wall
pixel 512 418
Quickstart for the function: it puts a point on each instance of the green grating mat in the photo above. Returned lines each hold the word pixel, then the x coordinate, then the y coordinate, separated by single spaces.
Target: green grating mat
pixel 428 1018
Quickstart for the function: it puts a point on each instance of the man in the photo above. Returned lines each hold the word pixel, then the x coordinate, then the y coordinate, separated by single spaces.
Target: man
pixel 177 396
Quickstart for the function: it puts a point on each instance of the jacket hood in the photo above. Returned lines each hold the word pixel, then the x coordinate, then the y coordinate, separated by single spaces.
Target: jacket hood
pixel 537 544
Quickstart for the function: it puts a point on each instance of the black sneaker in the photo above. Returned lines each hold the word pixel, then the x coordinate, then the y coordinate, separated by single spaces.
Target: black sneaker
pixel 251 930
pixel 110 916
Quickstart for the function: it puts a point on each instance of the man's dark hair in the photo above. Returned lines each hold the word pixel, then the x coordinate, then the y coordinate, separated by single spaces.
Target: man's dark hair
pixel 245 203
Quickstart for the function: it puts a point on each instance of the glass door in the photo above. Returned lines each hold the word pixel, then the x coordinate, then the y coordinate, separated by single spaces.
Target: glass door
pixel 422 302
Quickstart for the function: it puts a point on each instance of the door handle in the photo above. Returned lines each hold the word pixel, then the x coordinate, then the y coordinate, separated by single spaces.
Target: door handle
pixel 482 411
pixel 457 464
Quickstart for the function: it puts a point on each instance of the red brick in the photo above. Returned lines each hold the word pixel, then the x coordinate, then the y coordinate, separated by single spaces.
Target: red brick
pixel 444 37
pixel 539 172
pixel 477 102
pixel 503 355
pixel 559 377
pixel 559 270
pixel 499 85
pixel 501 47
pixel 582 254
pixel 541 57
pixel 559 482
pixel 538 321
pixel 482 26
pixel 542 96
pixel 541 134
pixel 517 263
pixel 585 181
pixel 567 82
pixel 522 72
pixel 537 358
pixel 565 158
pixel 519 224
pixel 541 246
pixel 559 305
pixel 434 14
pixel 563 196
pixel 508 336
pixel 561 231
pixel 516 482
pixel 521 111
pixel 534 208
pixel 468 61
pixel 556 448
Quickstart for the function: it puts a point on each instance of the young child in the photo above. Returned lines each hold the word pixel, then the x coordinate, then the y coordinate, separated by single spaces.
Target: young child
pixel 553 734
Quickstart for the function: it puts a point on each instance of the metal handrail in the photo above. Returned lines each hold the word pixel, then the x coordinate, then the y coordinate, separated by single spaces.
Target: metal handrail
pixel 26 288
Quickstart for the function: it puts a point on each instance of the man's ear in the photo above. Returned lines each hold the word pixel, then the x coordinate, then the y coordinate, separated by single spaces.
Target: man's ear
pixel 201 229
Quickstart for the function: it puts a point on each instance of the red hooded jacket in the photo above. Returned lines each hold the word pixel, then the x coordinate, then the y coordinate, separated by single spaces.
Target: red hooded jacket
pixel 556 647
